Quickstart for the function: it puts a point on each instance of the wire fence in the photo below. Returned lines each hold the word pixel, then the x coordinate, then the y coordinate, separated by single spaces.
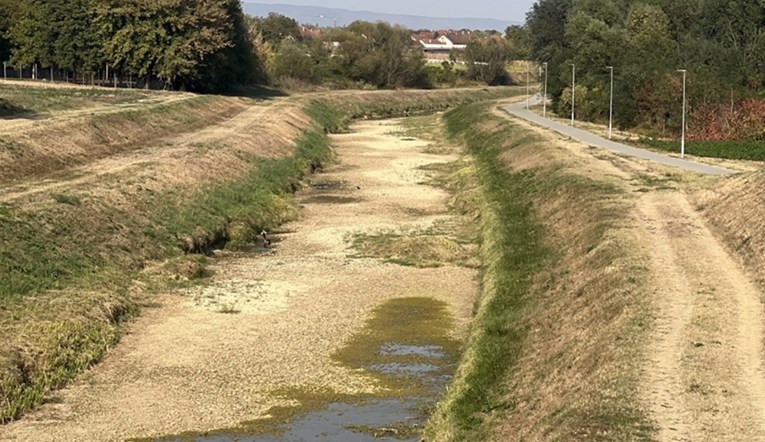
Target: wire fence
pixel 103 78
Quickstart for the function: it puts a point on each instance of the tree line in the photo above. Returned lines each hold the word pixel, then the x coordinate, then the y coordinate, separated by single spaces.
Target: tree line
pixel 193 45
pixel 211 45
pixel 373 54
pixel 721 44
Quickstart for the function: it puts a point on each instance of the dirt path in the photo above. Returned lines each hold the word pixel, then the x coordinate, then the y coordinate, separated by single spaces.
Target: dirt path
pixel 188 367
pixel 704 374
pixel 167 152
pixel 14 125
pixel 703 377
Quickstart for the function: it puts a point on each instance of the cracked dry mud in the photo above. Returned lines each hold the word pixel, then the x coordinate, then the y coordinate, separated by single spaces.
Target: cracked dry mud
pixel 185 366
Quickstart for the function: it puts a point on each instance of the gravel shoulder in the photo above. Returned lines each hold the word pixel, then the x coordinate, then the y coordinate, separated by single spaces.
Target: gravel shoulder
pixel 187 366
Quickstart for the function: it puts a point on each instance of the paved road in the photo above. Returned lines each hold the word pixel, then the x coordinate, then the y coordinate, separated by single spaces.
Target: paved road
pixel 519 110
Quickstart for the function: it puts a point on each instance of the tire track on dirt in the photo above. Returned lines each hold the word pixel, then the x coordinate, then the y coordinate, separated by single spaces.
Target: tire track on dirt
pixel 162 152
pixel 704 377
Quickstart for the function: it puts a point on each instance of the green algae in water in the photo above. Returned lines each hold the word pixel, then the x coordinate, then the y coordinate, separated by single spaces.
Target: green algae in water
pixel 403 322
pixel 406 346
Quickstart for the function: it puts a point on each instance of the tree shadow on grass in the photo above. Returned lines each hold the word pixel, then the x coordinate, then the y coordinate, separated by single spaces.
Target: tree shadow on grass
pixel 257 92
pixel 9 111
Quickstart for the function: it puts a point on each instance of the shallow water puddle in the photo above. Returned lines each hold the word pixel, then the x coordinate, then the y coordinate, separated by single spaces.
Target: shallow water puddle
pixel 406 348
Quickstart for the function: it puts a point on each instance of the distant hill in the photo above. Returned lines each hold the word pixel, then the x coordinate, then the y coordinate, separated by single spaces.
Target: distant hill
pixel 322 16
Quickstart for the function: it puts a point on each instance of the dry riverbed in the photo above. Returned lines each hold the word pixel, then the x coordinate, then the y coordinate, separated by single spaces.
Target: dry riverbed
pixel 280 332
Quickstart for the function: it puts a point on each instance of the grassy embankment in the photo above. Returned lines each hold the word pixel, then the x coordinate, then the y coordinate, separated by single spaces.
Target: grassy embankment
pixel 736 208
pixel 554 346
pixel 73 265
pixel 24 101
pixel 69 269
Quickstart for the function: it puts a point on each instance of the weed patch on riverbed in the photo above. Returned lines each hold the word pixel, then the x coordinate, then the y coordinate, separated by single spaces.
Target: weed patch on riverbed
pixel 416 250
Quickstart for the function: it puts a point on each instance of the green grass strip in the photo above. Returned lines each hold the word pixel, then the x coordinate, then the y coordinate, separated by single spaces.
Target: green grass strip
pixel 753 150
pixel 234 212
pixel 513 246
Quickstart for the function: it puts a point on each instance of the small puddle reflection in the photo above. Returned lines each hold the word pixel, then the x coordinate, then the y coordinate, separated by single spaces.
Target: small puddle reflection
pixel 407 347
pixel 412 369
pixel 345 422
pixel 426 351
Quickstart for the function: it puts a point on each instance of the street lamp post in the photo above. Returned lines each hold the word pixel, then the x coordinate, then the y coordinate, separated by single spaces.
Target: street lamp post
pixel 611 104
pixel 527 86
pixel 682 139
pixel 544 98
pixel 573 92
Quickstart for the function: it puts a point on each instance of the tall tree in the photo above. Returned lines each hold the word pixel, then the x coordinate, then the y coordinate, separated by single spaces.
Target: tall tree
pixel 381 55
pixel 520 40
pixel 7 8
pixel 546 22
pixel 487 60
pixel 236 62
pixel 31 34
pixel 76 44
pixel 174 40
pixel 276 27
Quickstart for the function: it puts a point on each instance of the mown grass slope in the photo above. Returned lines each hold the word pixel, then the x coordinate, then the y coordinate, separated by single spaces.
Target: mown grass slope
pixel 46 101
pixel 736 208
pixel 554 347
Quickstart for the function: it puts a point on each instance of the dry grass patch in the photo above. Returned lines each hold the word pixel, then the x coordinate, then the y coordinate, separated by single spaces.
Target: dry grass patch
pixel 736 208
pixel 56 145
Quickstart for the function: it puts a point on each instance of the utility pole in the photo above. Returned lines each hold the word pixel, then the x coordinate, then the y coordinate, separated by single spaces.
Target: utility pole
pixel 682 139
pixel 573 93
pixel 611 104
pixel 544 98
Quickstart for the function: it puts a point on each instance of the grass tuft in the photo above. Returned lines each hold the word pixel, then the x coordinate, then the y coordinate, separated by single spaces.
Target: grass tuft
pixel 67 199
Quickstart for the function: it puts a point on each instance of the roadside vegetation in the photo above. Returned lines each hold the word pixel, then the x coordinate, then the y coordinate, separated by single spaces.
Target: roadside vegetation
pixel 558 291
pixel 80 259
pixel 719 46
pixel 752 150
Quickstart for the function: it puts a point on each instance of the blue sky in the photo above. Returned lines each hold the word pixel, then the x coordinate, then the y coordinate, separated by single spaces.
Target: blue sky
pixel 514 10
